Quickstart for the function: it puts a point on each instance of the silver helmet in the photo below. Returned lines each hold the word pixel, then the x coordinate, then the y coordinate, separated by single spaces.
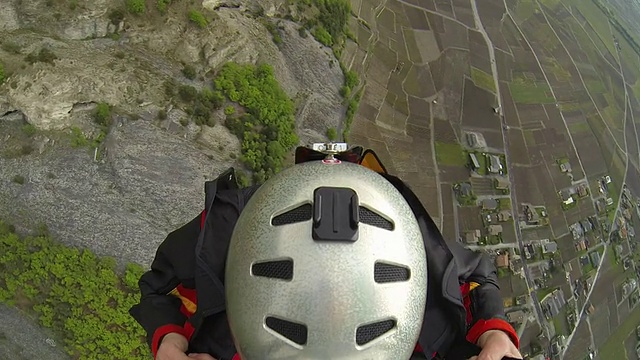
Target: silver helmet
pixel 326 262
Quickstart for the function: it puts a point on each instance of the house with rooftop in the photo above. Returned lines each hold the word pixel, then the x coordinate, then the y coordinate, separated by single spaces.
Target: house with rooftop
pixel 565 196
pixel 489 204
pixel 464 189
pixel 495 230
pixel 565 166
pixel 504 215
pixel 516 317
pixel 582 190
pixel 472 140
pixel 475 164
pixel 549 247
pixel 502 260
pixel 516 266
pixel 495 165
pixel 531 214
pixel 595 258
pixel 472 237
pixel 501 183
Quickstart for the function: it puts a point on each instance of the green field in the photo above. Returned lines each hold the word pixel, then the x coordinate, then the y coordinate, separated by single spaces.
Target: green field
pixel 450 154
pixel 598 21
pixel 525 91
pixel 557 323
pixel 595 86
pixel 482 79
pixel 614 347
pixel 524 10
pixel 504 204
pixel 558 71
pixel 579 127
pixel 544 292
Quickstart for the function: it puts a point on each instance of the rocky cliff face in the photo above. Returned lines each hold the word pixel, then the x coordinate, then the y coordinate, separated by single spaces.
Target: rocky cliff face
pixel 148 176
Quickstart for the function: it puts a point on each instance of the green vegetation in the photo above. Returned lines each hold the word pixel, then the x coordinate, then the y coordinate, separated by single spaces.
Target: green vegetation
pixel 482 79
pixel 1 73
pixel 18 179
pixel 351 112
pixel 77 294
pixel 526 91
pixel 350 81
pixel 273 29
pixel 450 154
pixel 116 16
pixel 504 204
pixel 229 110
pixel 44 55
pixel 198 18
pixel 579 127
pixel 102 114
pixel 79 139
pixel 614 347
pixel 162 5
pixel 12 47
pixel 557 323
pixel 524 10
pixel 28 129
pixel 616 25
pixel 332 134
pixel 323 36
pixel 465 200
pixel 242 178
pixel 482 161
pixel 333 18
pixel 493 239
pixel 595 86
pixel 136 6
pixel 541 293
pixel 189 71
pixel 267 130
pixel 586 269
pixel 503 272
pixel 558 71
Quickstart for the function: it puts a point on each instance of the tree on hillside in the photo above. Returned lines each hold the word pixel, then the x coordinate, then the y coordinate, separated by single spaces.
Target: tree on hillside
pixel 334 15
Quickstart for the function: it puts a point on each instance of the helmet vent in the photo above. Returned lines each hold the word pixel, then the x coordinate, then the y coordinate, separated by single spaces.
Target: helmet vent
pixel 292 331
pixel 386 273
pixel 280 269
pixel 369 332
pixel 299 214
pixel 371 218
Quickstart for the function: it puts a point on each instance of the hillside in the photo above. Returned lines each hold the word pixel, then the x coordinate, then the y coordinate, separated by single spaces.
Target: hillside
pixel 114 113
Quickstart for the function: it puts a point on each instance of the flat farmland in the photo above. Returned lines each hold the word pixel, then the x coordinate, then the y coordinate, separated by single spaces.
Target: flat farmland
pixel 526 185
pixel 517 147
pixel 463 12
pixel 508 232
pixel 444 7
pixel 479 52
pixel 469 219
pixel 584 139
pixel 477 108
pixel 567 247
pixel 448 224
pixel 551 201
pixel 531 115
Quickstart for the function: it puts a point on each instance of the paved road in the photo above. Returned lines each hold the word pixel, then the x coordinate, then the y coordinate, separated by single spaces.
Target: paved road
pixel 514 199
pixel 492 247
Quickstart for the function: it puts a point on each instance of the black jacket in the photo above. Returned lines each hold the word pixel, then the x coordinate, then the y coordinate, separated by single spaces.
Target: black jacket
pixel 189 269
